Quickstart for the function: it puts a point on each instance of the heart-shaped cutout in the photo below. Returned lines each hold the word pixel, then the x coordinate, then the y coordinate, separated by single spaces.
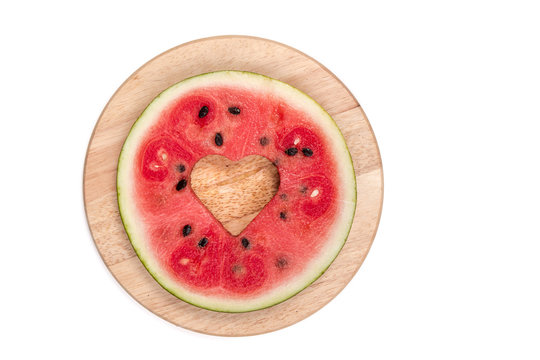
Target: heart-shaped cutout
pixel 234 191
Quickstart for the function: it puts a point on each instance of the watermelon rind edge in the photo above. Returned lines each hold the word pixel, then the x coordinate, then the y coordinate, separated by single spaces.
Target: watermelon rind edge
pixel 227 308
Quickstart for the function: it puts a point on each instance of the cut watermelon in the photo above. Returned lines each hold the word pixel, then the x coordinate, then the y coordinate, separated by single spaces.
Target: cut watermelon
pixel 289 244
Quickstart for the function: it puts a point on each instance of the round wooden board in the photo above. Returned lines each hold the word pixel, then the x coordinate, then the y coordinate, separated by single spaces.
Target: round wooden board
pixel 228 53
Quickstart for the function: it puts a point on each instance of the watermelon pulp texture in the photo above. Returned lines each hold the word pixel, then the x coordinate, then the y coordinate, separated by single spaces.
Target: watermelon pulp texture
pixel 289 244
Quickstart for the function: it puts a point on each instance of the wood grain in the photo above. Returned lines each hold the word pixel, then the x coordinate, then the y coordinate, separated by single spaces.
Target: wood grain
pixel 228 53
pixel 234 192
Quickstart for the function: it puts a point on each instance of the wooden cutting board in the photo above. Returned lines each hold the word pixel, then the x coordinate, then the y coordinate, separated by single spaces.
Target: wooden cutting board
pixel 228 53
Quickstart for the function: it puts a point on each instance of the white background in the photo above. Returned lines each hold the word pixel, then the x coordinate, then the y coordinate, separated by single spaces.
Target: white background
pixel 452 90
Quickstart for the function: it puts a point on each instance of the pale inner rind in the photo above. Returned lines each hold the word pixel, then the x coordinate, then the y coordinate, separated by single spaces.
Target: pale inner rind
pixel 134 223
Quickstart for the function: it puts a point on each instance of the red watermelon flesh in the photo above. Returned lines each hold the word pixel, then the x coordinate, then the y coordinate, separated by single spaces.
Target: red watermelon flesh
pixel 292 240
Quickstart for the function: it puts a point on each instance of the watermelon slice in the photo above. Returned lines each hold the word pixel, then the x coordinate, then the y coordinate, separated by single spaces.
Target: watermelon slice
pixel 295 237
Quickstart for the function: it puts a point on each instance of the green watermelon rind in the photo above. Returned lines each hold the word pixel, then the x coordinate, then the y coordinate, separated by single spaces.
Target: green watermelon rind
pixel 236 305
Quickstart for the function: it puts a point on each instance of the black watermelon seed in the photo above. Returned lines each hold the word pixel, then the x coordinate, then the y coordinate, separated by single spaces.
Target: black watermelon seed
pixel 283 215
pixel 264 141
pixel 281 263
pixel 218 139
pixel 245 243
pixel 234 110
pixel 307 152
pixel 283 196
pixel 181 184
pixel 181 168
pixel 186 230
pixel 303 189
pixel 202 243
pixel 291 151
pixel 236 268
pixel 203 112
